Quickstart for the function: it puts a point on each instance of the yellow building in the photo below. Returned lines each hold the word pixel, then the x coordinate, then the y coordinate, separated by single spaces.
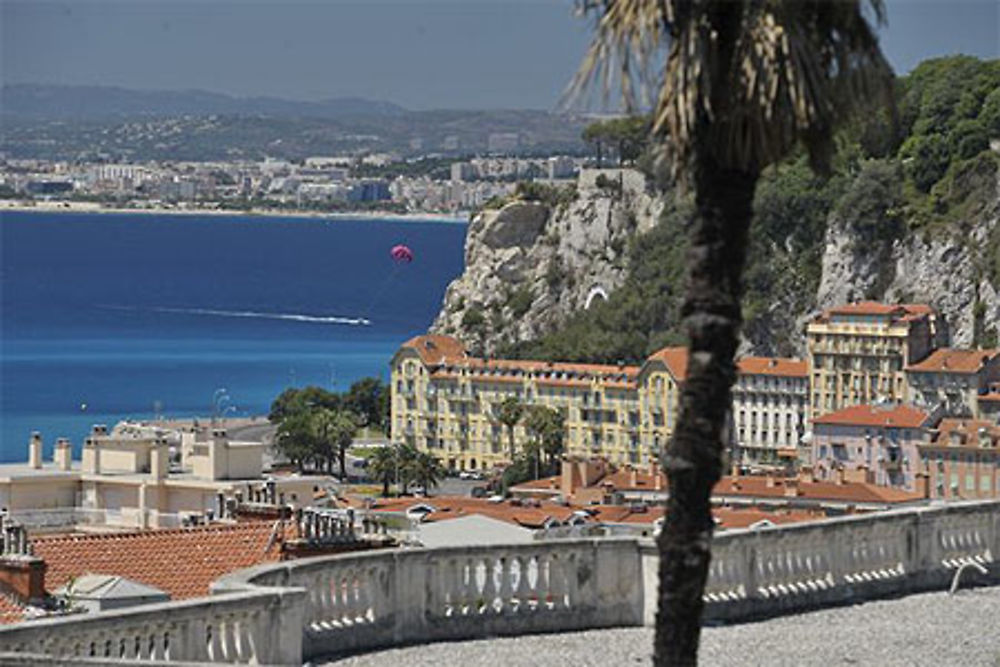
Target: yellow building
pixel 444 402
pixel 858 353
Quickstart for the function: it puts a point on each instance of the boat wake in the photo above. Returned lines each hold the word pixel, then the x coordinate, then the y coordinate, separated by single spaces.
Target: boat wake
pixel 292 317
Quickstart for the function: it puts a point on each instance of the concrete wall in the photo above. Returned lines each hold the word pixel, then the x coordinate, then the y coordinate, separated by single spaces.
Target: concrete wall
pixel 285 613
pixel 39 492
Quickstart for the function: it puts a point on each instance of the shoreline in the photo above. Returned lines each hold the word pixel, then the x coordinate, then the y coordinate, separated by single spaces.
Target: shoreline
pixel 21 206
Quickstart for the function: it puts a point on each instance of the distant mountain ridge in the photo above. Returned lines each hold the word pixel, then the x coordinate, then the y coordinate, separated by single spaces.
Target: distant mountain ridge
pixel 43 101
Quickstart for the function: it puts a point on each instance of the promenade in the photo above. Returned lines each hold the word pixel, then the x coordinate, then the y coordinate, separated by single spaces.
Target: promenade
pixel 933 629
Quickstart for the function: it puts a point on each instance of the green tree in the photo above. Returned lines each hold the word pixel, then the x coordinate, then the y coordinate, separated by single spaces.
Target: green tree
pixel 546 430
pixel 295 439
pixel 425 470
pixel 509 412
pixel 744 83
pixel 382 467
pixel 368 398
pixel 406 455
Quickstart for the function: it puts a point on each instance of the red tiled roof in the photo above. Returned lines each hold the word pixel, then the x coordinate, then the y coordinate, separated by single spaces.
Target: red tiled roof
pixel 436 348
pixel 675 359
pixel 451 507
pixel 772 366
pixel 905 311
pixel 967 430
pixel 953 360
pixel 182 562
pixel 757 487
pixel 11 611
pixel 903 416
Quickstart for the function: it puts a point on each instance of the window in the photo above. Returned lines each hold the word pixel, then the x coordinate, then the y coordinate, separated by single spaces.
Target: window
pixel 984 482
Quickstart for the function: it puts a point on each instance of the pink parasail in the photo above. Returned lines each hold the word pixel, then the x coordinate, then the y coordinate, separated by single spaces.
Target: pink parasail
pixel 401 253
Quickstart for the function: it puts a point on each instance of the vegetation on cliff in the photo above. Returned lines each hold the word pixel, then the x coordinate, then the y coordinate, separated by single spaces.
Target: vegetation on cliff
pixel 933 174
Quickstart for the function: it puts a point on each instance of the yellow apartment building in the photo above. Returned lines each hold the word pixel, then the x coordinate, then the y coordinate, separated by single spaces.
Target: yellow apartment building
pixel 858 353
pixel 444 402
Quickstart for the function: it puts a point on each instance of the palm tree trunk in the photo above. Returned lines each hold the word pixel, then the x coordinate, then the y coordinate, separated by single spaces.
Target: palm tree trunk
pixel 693 460
pixel 342 455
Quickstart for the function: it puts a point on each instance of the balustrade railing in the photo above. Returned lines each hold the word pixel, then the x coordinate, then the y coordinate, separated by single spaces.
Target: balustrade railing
pixel 284 613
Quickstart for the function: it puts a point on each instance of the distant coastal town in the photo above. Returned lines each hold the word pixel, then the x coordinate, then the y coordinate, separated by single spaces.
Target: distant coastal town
pixel 376 184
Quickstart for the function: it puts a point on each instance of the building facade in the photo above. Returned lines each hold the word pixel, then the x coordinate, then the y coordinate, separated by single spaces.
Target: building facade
pixel 961 459
pixel 858 353
pixel 953 379
pixel 770 401
pixel 445 402
pixel 876 443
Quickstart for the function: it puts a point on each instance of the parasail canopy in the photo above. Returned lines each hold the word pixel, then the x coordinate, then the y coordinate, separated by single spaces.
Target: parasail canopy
pixel 401 253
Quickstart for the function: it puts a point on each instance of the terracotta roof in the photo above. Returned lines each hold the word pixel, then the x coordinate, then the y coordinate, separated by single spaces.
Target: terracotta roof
pixel 676 360
pixel 529 514
pixel 906 311
pixel 435 348
pixel 967 431
pixel 182 562
pixel 756 486
pixel 772 366
pixel 11 610
pixel 902 416
pixel 953 360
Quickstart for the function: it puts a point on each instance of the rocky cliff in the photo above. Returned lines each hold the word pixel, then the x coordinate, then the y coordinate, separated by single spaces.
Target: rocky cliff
pixel 530 264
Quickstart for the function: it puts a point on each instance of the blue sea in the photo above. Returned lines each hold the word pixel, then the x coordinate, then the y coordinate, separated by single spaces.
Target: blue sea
pixel 109 316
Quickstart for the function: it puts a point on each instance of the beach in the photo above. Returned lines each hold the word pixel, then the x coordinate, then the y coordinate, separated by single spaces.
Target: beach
pixel 63 206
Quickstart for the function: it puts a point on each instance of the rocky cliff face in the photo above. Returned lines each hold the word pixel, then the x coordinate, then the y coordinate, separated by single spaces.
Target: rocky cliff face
pixel 528 265
pixel 947 268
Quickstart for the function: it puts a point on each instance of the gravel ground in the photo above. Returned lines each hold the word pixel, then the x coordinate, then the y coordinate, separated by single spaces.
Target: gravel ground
pixel 934 629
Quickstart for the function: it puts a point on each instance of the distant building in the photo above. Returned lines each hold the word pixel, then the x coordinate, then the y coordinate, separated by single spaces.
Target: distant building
pixel 879 443
pixel 953 379
pixel 462 171
pixel 858 352
pixel 444 402
pixel 560 166
pixel 770 401
pixel 451 143
pixel 48 188
pixel 961 459
pixel 369 191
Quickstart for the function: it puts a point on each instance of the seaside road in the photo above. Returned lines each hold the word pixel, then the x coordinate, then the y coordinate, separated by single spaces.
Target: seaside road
pixel 933 629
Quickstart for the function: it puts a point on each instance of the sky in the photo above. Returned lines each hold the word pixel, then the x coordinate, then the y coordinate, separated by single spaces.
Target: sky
pixel 422 54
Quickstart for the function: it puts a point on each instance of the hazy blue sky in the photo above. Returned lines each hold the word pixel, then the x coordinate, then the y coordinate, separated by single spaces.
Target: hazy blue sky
pixel 418 53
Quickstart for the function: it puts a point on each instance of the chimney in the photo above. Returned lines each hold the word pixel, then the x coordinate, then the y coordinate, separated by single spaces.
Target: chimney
pixel 159 458
pixel 806 475
pixel 633 477
pixel 20 571
pixel 35 450
pixel 838 475
pixel 63 454
pixel 922 483
pixel 791 487
pixel 769 481
pixel 91 457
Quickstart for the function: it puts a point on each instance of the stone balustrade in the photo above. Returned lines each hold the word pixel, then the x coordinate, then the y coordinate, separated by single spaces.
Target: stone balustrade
pixel 284 613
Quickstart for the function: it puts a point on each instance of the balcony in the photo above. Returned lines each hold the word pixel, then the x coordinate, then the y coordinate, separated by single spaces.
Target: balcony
pixel 294 611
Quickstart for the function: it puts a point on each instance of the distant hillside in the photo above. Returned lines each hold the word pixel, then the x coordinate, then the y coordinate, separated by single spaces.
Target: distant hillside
pixel 87 122
pixel 37 101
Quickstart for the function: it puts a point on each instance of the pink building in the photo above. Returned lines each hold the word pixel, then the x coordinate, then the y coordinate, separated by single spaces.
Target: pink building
pixel 880 441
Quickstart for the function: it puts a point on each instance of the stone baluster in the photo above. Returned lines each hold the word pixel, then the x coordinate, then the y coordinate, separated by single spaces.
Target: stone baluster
pixel 524 590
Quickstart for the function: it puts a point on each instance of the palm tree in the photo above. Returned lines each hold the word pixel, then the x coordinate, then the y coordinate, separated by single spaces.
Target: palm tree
pixel 546 429
pixel 334 430
pixel 426 470
pixel 382 467
pixel 509 412
pixel 405 456
pixel 744 83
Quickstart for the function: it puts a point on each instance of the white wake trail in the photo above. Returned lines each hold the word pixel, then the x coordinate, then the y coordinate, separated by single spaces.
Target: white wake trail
pixel 293 317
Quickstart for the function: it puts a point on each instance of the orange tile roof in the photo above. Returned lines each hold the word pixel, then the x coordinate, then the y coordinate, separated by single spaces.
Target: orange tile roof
pixel 953 360
pixel 903 416
pixel 182 562
pixel 527 514
pixel 11 610
pixel 675 359
pixel 772 366
pixel 967 430
pixel 436 348
pixel 756 486
pixel 906 311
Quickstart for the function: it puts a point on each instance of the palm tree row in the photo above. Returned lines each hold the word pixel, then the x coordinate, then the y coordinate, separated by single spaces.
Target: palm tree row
pixel 405 466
